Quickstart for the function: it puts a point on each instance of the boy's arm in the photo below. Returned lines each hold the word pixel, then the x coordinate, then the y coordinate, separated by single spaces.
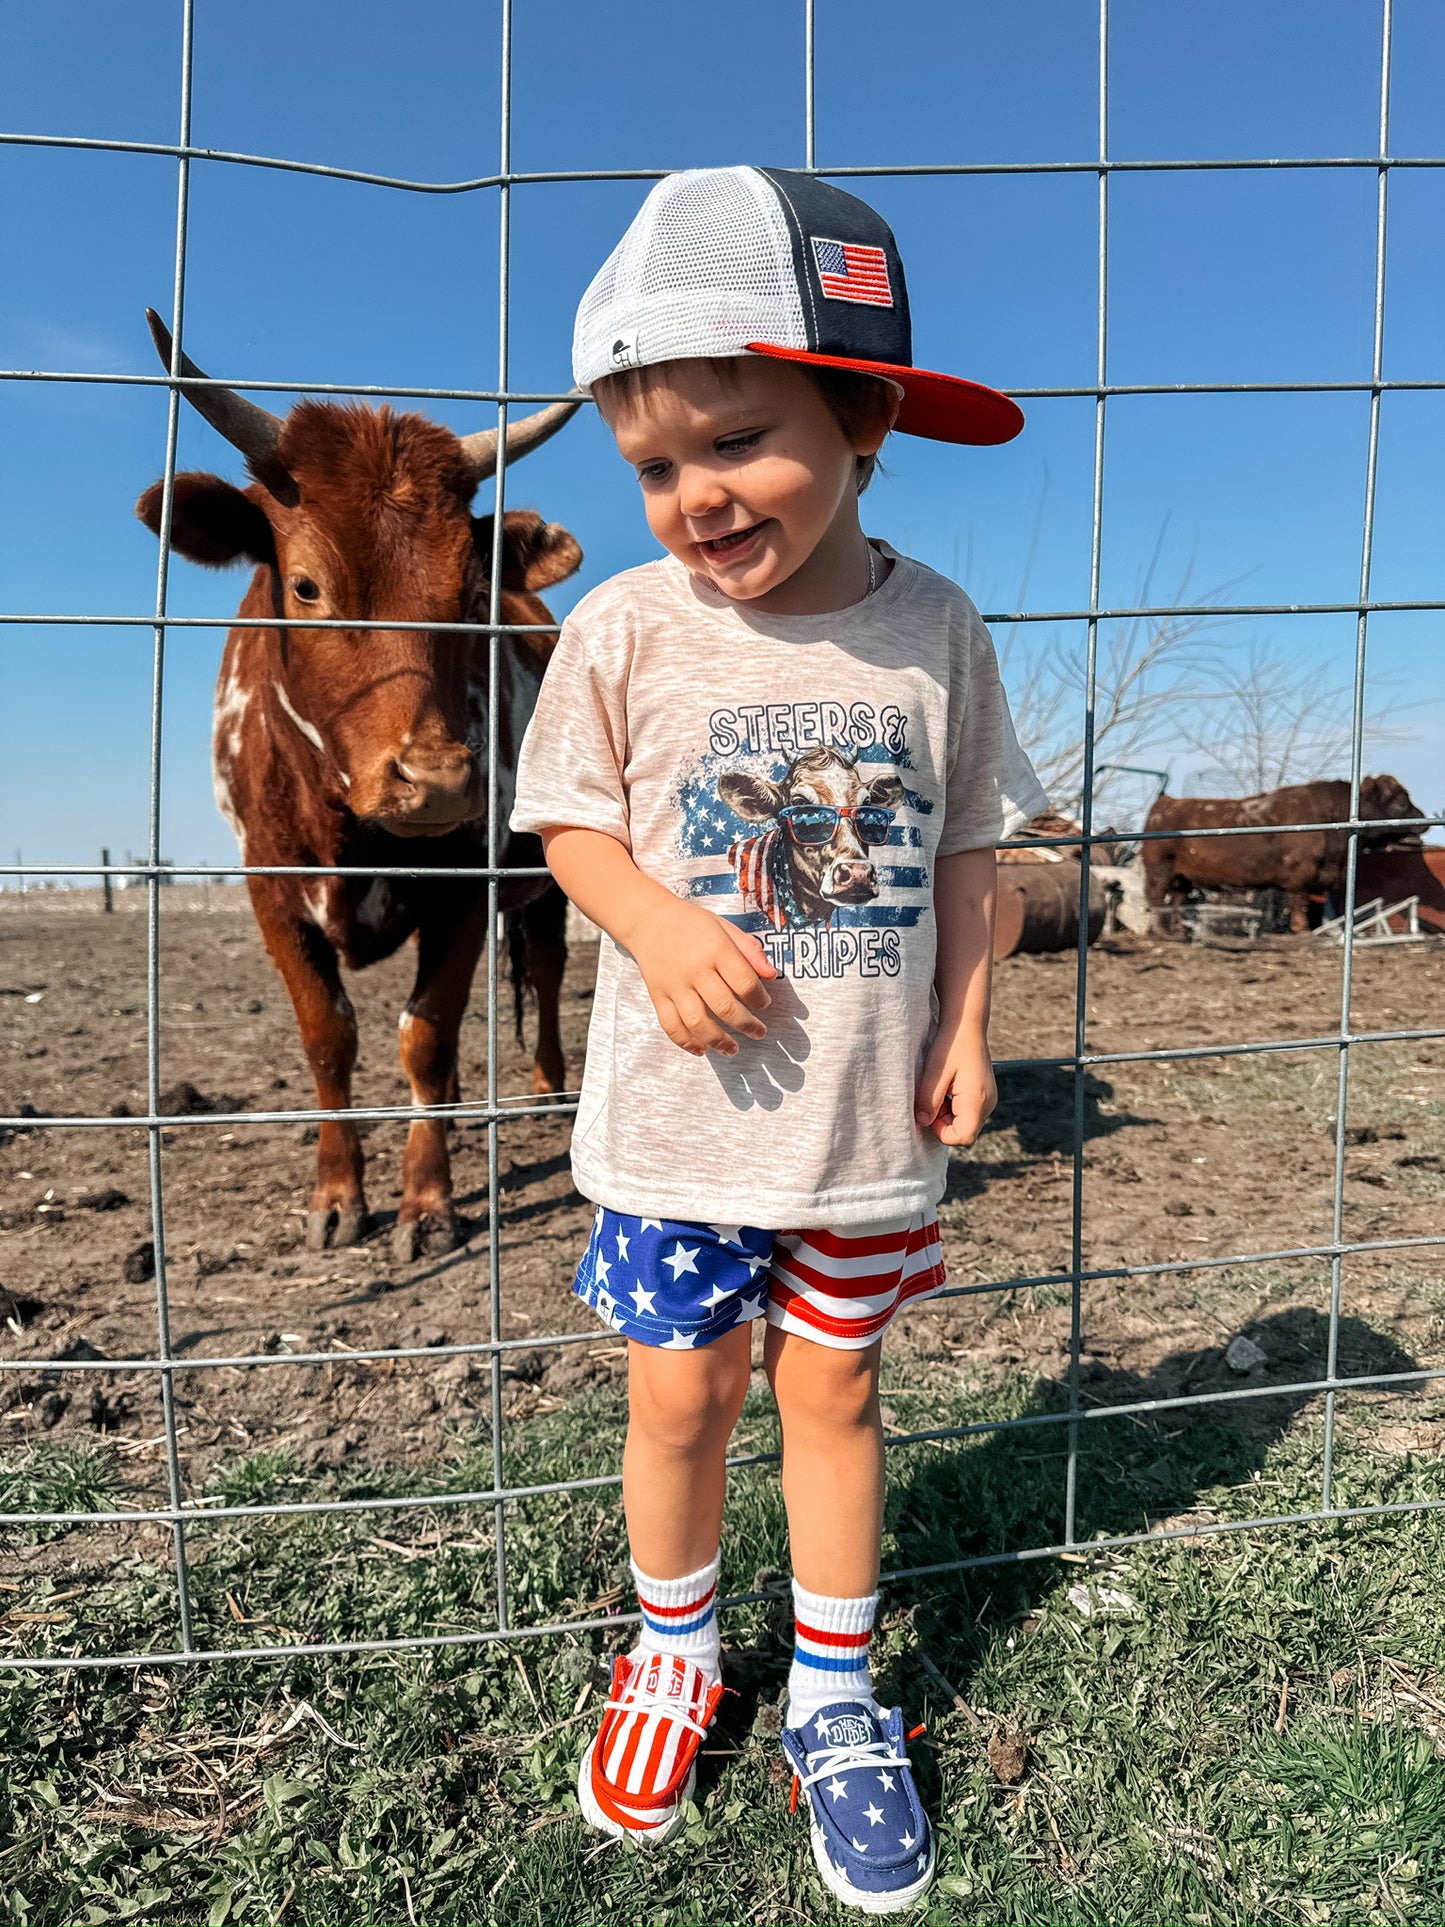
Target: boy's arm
pixel 956 1090
pixel 701 971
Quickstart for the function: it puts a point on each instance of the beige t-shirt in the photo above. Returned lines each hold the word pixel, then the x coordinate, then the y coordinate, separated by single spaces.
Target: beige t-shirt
pixel 800 776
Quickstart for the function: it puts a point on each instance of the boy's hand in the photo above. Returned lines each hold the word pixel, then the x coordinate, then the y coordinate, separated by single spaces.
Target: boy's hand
pixel 702 972
pixel 956 1091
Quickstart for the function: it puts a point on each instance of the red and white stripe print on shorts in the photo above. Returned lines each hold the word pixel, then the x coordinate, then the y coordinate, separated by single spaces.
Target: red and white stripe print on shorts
pixel 842 1288
pixel 639 1769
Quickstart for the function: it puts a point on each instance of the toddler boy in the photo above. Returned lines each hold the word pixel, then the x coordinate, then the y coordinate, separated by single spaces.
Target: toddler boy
pixel 772 767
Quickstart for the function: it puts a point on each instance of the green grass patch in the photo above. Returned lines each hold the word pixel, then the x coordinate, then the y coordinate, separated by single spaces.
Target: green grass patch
pixel 1229 1729
pixel 64 1476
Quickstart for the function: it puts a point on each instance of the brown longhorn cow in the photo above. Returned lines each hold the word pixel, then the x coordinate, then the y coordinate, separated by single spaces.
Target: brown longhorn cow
pixel 1302 863
pixel 354 747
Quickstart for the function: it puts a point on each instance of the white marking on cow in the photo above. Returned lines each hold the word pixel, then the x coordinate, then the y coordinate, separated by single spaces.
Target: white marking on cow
pixel 308 730
pixel 233 698
pixel 404 1023
pixel 220 783
pixel 318 905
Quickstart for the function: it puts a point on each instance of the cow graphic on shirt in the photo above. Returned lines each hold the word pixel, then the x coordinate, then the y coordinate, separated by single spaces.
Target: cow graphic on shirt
pixel 803 823
pixel 826 821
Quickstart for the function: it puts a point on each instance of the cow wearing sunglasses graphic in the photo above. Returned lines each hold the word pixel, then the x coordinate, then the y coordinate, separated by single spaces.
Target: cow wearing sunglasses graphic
pixel 828 821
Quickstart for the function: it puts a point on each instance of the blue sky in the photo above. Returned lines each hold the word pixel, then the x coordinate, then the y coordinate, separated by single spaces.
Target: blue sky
pixel 1214 277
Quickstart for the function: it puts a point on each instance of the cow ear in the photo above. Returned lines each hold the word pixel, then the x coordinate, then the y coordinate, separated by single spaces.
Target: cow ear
pixel 212 521
pixel 885 793
pixel 535 554
pixel 753 798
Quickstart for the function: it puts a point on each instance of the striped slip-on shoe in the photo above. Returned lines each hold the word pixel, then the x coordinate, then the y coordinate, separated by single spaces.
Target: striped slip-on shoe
pixel 642 1765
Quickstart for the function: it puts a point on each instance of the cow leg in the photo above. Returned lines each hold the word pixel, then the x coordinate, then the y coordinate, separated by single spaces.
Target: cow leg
pixel 1162 888
pixel 327 1023
pixel 447 953
pixel 1298 904
pixel 545 931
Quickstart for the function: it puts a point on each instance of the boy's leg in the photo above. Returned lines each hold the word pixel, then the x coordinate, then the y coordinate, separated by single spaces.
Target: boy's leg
pixel 832 1459
pixel 871 1839
pixel 682 1407
pixel 833 1489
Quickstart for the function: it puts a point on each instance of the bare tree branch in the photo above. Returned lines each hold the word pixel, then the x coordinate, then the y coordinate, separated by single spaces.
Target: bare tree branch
pixel 1271 720
pixel 1148 672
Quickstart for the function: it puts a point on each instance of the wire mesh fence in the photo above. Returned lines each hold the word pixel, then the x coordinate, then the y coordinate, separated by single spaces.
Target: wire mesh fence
pixel 181 1513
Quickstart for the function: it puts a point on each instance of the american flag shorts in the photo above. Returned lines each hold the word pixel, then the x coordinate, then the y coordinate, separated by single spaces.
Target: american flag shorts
pixel 679 1285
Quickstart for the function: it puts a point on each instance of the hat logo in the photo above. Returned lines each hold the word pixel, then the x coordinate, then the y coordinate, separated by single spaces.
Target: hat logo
pixel 849 271
pixel 624 351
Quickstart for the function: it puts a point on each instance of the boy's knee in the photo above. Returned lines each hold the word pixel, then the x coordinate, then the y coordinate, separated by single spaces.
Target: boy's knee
pixel 688 1411
pixel 834 1388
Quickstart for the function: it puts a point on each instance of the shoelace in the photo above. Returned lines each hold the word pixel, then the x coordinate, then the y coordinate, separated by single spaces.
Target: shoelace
pixel 839 1759
pixel 844 1759
pixel 655 1703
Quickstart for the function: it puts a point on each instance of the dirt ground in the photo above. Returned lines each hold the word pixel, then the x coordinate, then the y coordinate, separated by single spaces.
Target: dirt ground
pixel 1187 1159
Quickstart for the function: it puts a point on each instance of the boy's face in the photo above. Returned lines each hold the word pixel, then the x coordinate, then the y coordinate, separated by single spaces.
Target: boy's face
pixel 746 475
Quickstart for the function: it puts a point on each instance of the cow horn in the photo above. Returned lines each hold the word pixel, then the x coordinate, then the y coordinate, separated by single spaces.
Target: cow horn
pixel 252 429
pixel 522 437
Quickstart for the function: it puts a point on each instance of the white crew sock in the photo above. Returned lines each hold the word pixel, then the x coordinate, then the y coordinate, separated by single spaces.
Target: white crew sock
pixel 680 1615
pixel 830 1652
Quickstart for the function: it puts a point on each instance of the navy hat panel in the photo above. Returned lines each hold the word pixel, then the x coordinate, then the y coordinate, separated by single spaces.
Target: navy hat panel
pixel 855 299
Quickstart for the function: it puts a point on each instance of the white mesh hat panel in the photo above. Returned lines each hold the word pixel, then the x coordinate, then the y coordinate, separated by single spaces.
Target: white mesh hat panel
pixel 705 268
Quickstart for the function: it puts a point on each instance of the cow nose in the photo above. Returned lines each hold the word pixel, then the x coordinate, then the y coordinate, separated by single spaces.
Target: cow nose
pixel 433 789
pixel 850 877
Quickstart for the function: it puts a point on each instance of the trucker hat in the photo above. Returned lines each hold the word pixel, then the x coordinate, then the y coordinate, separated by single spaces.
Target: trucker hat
pixel 760 260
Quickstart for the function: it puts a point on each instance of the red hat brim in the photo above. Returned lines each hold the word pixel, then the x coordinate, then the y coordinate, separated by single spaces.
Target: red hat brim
pixel 945 408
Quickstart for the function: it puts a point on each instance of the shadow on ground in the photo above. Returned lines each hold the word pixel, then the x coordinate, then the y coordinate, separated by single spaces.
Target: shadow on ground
pixel 1004 1490
pixel 1036 1103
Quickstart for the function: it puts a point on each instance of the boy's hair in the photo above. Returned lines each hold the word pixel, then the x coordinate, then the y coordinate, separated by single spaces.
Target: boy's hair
pixel 855 401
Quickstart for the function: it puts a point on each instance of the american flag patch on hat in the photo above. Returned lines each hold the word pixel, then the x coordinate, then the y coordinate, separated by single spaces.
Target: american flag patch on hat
pixel 848 271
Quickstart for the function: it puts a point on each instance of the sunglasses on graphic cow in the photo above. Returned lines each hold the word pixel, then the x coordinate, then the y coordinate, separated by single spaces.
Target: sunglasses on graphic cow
pixel 818 822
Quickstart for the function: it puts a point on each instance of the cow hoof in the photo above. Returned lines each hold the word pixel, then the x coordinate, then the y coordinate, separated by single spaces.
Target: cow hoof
pixel 334 1228
pixel 439 1236
pixel 429 1237
pixel 350 1229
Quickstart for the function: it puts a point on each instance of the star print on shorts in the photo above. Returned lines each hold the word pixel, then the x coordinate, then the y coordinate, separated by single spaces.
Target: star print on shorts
pixel 673 1284
pixel 679 1285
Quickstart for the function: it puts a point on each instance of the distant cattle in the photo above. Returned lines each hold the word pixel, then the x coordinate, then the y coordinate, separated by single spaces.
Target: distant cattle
pixel 1301 863
pixel 829 819
pixel 369 749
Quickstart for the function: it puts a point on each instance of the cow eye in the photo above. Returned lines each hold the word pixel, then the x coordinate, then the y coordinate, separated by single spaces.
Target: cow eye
pixel 305 590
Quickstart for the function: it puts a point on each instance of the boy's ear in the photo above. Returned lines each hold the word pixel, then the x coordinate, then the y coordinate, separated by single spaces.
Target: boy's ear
pixel 535 554
pixel 753 798
pixel 888 401
pixel 212 521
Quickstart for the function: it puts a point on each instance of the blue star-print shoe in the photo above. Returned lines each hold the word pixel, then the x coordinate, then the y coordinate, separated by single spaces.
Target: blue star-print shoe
pixel 871 1838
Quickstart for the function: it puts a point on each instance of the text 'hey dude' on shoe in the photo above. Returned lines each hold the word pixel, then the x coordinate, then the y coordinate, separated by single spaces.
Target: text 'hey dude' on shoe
pixel 871 1839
